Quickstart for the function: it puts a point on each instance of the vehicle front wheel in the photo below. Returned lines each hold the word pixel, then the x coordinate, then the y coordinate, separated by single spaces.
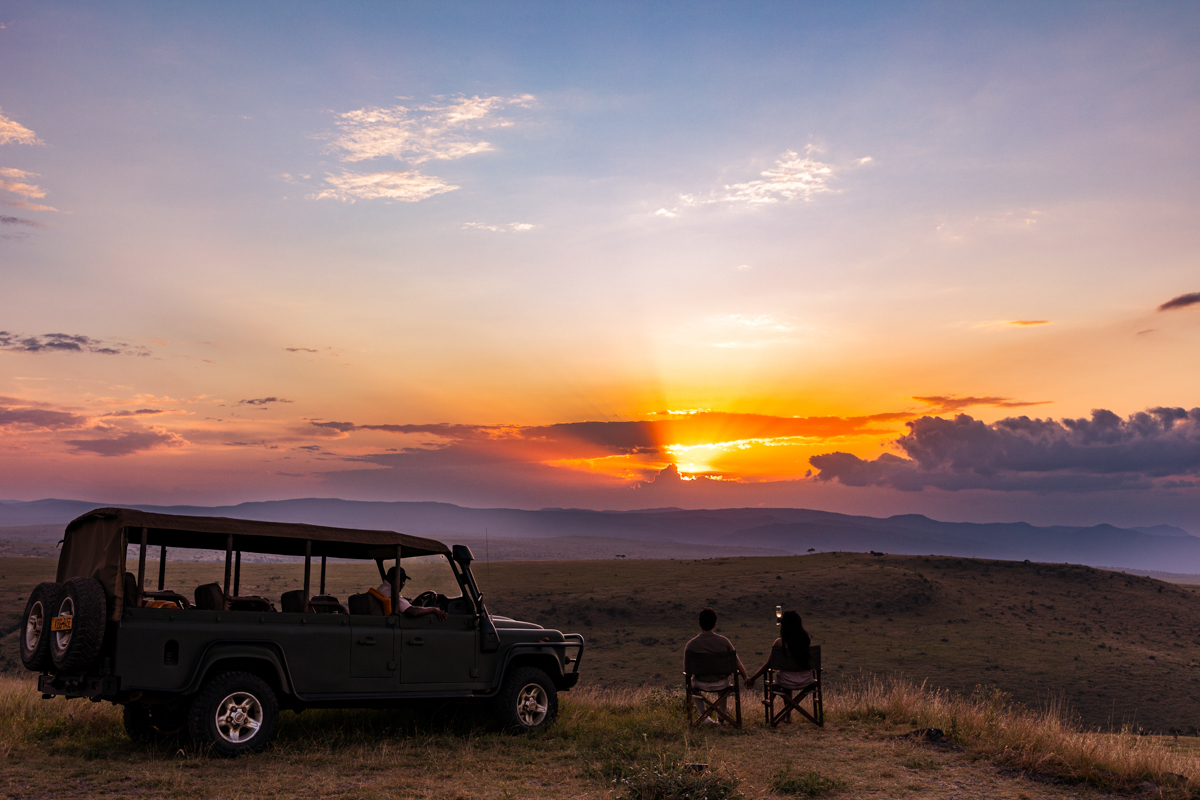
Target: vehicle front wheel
pixel 527 702
pixel 235 713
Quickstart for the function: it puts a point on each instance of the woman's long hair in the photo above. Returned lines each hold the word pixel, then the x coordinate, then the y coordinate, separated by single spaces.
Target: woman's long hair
pixel 795 639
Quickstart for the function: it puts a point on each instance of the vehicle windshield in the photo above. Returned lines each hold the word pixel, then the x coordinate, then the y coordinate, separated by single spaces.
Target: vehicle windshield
pixel 430 574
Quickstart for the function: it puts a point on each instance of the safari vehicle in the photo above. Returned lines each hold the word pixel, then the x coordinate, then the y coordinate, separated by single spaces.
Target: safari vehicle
pixel 219 666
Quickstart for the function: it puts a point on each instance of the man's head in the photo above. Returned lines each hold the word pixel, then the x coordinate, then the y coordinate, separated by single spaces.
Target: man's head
pixel 391 573
pixel 708 619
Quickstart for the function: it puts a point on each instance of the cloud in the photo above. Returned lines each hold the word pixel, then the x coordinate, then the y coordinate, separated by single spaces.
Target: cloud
pixel 743 330
pixel 518 227
pixel 1005 324
pixel 423 133
pixel 10 181
pixel 402 186
pixel 793 177
pixel 31 223
pixel 1000 223
pixel 599 438
pixel 301 350
pixel 126 443
pixel 412 135
pixel 66 343
pixel 262 401
pixel 1182 301
pixel 18 234
pixel 1157 447
pixel 140 412
pixel 946 403
pixel 13 132
pixel 39 419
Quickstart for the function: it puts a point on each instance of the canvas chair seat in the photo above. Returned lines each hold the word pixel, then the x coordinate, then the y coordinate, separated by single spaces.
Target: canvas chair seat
pixel 716 674
pixel 784 677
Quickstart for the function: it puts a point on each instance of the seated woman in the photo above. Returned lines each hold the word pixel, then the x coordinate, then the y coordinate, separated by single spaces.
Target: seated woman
pixel 794 641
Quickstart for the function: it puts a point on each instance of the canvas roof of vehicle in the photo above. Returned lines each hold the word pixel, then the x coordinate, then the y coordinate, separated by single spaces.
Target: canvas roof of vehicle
pixel 94 543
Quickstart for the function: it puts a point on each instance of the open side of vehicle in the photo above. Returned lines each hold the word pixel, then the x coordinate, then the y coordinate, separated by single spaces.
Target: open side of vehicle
pixel 218 668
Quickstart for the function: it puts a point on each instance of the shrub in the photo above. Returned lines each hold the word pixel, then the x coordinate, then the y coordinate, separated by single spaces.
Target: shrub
pixel 806 784
pixel 677 781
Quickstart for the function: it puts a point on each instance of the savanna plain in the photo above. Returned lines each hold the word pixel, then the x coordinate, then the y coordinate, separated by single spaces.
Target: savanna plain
pixel 1047 680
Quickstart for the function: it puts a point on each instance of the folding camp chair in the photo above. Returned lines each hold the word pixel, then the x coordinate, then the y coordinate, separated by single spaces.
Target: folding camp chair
pixel 721 668
pixel 777 685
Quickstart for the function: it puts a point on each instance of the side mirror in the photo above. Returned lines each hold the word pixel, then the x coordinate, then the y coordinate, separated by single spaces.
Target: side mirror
pixel 462 554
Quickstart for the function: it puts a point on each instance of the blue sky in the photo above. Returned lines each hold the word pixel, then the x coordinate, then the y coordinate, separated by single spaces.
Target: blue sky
pixel 524 215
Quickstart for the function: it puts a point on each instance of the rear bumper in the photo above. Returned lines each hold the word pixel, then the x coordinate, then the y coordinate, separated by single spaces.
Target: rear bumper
pixel 79 686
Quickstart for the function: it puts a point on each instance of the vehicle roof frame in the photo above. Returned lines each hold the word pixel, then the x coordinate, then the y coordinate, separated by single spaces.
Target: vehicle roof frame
pixel 95 543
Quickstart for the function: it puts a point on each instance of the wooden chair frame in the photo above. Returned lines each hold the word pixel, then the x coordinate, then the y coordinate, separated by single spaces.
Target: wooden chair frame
pixel 781 662
pixel 721 664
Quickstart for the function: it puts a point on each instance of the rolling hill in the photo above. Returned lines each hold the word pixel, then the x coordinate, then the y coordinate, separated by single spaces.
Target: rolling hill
pixel 757 530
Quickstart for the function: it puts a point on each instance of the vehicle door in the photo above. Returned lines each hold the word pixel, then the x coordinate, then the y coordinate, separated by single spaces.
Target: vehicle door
pixel 374 666
pixel 437 654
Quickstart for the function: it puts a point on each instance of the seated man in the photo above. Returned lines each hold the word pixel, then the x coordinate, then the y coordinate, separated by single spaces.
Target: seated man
pixel 708 643
pixel 384 595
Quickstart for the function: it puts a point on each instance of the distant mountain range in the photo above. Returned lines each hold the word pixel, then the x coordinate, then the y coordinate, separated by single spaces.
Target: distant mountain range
pixel 761 530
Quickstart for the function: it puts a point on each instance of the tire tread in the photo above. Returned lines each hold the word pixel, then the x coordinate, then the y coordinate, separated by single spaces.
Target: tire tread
pixel 38 659
pixel 87 632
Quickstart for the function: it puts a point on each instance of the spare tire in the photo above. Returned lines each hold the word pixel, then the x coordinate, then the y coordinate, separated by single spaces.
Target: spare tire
pixel 76 647
pixel 35 626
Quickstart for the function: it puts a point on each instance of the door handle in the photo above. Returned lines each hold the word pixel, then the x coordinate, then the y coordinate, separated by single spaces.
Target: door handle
pixel 369 641
pixel 416 641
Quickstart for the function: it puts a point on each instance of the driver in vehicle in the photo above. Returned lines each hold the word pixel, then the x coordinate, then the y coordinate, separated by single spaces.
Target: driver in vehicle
pixel 384 594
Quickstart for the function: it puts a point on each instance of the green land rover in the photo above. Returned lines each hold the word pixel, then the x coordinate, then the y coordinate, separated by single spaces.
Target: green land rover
pixel 218 667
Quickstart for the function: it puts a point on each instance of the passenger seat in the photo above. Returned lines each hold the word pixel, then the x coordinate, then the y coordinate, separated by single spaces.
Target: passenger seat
pixel 211 597
pixel 366 604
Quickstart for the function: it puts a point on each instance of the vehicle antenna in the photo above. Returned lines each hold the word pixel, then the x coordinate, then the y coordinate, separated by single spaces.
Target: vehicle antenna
pixel 487 552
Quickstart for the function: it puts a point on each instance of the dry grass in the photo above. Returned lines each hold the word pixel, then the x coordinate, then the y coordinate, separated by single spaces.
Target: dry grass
pixel 608 743
pixel 1037 741
pixel 1110 643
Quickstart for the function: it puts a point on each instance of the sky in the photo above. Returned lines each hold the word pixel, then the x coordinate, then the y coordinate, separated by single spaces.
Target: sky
pixel 874 258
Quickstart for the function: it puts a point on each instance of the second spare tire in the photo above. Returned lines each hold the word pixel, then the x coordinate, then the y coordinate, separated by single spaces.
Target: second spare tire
pixel 75 644
pixel 35 626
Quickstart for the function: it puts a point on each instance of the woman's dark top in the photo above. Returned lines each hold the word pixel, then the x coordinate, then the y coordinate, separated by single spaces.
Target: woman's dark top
pixel 800 642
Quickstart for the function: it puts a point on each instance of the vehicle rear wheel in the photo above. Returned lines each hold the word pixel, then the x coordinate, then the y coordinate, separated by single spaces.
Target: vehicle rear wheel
pixel 35 626
pixel 76 647
pixel 155 723
pixel 527 701
pixel 235 713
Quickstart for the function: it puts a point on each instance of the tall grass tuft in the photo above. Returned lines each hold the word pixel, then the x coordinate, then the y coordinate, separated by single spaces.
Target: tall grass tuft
pixel 26 719
pixel 676 780
pixel 1042 741
pixel 804 784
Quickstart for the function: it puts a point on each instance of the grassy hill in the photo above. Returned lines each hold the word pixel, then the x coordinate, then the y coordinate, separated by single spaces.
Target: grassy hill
pixel 1120 649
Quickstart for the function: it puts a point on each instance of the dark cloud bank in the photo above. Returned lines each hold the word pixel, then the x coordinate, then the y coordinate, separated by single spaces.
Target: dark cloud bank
pixel 1157 448
pixel 1183 301
pixel 66 343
